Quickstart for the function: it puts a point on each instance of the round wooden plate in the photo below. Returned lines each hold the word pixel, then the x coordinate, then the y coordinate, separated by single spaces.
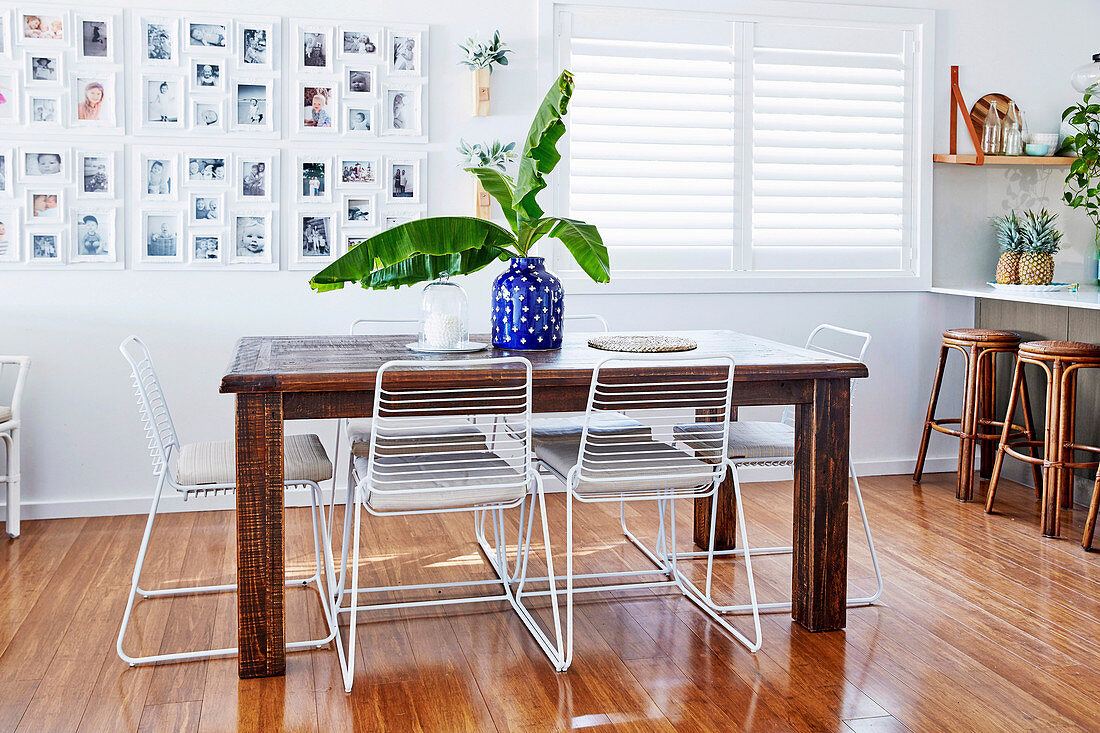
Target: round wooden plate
pixel 981 109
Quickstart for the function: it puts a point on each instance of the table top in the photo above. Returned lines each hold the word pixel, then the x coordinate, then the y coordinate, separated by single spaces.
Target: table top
pixel 350 363
pixel 1087 296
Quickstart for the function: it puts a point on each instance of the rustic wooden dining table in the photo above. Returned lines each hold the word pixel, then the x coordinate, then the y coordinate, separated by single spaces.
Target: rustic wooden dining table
pixel 278 378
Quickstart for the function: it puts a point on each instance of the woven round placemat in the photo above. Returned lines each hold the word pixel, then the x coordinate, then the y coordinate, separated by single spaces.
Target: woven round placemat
pixel 642 344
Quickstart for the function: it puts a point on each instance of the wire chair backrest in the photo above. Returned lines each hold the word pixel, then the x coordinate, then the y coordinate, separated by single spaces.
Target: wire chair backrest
pixel 857 341
pixel 422 439
pixel 382 326
pixel 23 365
pixel 159 428
pixel 661 392
pixel 587 323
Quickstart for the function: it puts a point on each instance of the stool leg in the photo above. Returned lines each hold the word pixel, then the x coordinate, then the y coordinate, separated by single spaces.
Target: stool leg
pixel 933 399
pixel 1052 454
pixel 987 394
pixel 1090 521
pixel 964 490
pixel 1068 436
pixel 1017 383
pixel 1029 430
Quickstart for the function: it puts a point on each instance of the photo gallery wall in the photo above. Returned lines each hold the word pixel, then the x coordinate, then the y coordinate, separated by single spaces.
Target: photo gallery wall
pixel 348 94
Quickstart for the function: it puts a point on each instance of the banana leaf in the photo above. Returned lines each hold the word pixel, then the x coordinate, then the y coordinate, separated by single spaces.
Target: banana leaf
pixel 540 153
pixel 407 254
pixel 585 244
pixel 499 186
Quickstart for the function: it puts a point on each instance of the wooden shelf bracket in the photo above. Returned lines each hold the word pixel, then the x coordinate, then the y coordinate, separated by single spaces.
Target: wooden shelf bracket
pixel 959 106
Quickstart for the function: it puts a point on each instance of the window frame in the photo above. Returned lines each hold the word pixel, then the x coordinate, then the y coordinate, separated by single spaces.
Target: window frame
pixel 919 22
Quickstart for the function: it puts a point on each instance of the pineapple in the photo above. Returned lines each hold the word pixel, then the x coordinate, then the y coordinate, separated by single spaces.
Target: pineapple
pixel 1009 237
pixel 1040 240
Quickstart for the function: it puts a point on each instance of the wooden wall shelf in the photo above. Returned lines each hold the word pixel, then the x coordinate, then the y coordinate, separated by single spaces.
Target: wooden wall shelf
pixel 1003 159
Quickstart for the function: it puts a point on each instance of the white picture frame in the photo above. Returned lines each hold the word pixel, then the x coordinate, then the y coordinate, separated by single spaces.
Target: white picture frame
pixel 207 168
pixel 403 110
pixel 85 113
pixel 157 175
pixel 206 116
pixel 257 45
pixel 352 238
pixel 311 119
pixel 313 48
pixel 359 171
pixel 207 75
pixel 355 42
pixel 45 109
pixel 45 247
pixel 317 242
pixel 255 178
pixel 360 210
pixel 101 233
pixel 45 205
pixel 96 174
pixel 206 34
pixel 360 81
pixel 314 178
pixel 44 68
pixel 404 52
pixel 161 241
pixel 45 164
pixel 161 106
pixel 396 215
pixel 53 28
pixel 403 178
pixel 158 41
pixel 7 172
pixel 7 38
pixel 95 37
pixel 359 120
pixel 199 212
pixel 11 240
pixel 247 227
pixel 207 247
pixel 10 89
pixel 254 104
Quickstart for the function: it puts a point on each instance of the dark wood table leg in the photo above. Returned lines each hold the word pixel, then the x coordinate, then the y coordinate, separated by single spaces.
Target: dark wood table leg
pixel 260 572
pixel 819 584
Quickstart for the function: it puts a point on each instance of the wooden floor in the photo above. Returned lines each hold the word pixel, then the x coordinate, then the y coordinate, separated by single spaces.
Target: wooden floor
pixel 984 626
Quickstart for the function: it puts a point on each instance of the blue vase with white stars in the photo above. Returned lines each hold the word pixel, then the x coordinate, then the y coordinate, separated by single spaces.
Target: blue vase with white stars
pixel 528 306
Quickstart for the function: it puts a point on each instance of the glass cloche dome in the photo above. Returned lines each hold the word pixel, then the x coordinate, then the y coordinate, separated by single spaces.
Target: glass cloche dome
pixel 444 318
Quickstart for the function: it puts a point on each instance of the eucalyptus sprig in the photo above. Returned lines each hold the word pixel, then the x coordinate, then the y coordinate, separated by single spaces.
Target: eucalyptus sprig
pixel 1083 179
pixel 487 155
pixel 483 55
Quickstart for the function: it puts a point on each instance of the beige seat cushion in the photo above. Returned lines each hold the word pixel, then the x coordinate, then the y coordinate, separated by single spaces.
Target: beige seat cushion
pixel 748 440
pixel 652 465
pixel 441 481
pixel 415 439
pixel 5 413
pixel 304 459
pixel 549 427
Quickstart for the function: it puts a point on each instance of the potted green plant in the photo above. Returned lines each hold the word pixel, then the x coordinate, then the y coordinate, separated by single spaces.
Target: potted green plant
pixel 1039 240
pixel 528 301
pixel 1083 179
pixel 480 57
pixel 486 155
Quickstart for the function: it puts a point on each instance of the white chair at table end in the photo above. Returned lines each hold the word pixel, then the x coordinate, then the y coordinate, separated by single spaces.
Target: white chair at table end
pixel 767 444
pixel 202 469
pixel 422 460
pixel 10 435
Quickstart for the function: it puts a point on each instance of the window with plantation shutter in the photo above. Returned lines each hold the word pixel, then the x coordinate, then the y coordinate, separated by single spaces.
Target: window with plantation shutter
pixel 743 146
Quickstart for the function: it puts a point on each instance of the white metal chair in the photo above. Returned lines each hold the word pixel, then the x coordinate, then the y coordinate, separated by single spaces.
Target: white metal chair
pixel 753 443
pixel 204 469
pixel 10 430
pixel 422 461
pixel 613 464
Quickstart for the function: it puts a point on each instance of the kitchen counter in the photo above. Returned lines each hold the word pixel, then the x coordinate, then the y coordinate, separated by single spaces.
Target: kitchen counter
pixel 1087 296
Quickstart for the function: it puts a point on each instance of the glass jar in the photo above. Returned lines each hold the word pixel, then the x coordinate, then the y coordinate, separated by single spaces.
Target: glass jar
pixel 444 317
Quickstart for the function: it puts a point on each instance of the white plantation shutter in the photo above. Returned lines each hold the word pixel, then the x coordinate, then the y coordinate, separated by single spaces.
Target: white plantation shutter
pixel 703 144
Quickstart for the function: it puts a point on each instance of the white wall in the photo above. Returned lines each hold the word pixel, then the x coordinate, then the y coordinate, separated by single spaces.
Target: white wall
pixel 84 450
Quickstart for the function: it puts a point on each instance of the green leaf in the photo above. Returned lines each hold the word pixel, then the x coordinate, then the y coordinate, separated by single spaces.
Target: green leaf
pixel 585 244
pixel 540 153
pixel 499 186
pixel 423 249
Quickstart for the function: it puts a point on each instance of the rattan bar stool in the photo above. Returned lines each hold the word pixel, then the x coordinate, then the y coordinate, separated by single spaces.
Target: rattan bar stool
pixel 979 348
pixel 1060 361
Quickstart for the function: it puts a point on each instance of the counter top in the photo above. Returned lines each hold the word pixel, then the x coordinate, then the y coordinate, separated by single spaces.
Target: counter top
pixel 1087 296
